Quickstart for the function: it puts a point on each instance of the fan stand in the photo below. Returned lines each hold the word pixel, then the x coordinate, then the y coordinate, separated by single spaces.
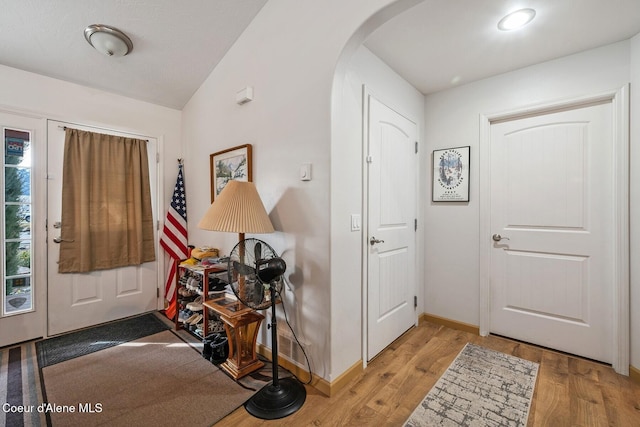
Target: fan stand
pixel 280 398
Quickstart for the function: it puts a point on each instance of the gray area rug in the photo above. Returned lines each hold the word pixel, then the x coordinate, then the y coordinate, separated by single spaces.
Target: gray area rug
pixel 481 387
pixel 86 341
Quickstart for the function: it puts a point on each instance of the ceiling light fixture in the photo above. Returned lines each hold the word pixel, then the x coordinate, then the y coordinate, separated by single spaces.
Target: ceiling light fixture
pixel 108 40
pixel 516 19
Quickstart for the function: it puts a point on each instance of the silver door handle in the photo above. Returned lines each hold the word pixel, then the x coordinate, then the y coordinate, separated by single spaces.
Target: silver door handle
pixel 373 241
pixel 59 239
pixel 497 238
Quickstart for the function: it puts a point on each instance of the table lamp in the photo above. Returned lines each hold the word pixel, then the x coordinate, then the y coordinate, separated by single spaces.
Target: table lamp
pixel 237 209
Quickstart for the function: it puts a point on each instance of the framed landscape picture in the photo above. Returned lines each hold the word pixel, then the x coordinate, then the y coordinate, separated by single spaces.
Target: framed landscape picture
pixel 230 164
pixel 451 175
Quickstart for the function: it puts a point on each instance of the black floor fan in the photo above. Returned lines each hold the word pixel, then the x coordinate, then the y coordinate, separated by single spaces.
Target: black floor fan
pixel 281 397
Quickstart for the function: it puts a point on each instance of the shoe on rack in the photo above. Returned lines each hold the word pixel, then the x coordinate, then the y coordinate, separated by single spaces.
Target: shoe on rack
pixel 191 318
pixel 216 285
pixel 196 304
pixel 197 284
pixel 198 329
pixel 184 302
pixel 183 316
pixel 185 292
pixel 215 327
pixel 195 319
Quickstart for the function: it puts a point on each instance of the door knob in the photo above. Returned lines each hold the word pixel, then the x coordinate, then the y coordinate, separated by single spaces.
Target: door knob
pixel 497 238
pixel 373 241
pixel 59 239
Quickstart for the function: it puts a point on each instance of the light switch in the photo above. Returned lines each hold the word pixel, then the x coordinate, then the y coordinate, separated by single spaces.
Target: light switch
pixel 355 222
pixel 305 172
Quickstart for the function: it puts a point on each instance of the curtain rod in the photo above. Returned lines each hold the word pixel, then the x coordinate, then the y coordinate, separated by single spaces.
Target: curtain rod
pixel 65 128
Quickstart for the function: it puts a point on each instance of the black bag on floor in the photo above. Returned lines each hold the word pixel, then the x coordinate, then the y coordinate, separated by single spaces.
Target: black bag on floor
pixel 219 347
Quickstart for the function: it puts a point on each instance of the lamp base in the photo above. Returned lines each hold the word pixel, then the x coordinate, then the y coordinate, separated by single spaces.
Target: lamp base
pixel 273 402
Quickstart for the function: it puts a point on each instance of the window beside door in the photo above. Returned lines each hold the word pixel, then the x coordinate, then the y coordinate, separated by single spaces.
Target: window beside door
pixel 16 231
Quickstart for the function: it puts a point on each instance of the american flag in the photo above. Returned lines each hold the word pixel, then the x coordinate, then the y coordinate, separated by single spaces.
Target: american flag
pixel 174 234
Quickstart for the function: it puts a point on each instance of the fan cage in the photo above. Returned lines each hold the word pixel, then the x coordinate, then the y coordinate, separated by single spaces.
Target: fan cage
pixel 242 276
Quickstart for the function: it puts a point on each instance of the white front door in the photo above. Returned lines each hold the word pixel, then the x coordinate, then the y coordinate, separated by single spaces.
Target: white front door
pixel 392 213
pixel 552 216
pixel 22 261
pixel 80 300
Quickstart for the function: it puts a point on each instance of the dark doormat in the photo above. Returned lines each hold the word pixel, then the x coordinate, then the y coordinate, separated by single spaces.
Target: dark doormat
pixel 64 347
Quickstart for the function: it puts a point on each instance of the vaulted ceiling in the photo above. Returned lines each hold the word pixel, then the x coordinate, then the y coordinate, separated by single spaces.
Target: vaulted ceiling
pixel 438 44
pixel 177 44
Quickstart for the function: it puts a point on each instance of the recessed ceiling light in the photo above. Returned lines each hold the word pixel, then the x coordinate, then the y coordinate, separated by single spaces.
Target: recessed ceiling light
pixel 516 19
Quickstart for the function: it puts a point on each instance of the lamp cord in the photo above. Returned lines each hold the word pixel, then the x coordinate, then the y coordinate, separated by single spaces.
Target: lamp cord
pixel 286 319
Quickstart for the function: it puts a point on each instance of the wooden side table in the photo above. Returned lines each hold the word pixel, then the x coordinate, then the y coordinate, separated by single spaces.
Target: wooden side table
pixel 241 324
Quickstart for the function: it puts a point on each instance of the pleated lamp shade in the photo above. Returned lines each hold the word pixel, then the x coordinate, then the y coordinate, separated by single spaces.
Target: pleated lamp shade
pixel 238 209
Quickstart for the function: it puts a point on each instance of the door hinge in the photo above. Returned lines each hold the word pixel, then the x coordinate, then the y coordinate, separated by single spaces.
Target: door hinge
pixel 157 292
pixel 415 301
pixel 157 157
pixel 416 147
pixel 369 159
pixel 415 224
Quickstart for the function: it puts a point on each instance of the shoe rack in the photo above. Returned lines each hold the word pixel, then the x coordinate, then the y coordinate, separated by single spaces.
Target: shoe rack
pixel 196 284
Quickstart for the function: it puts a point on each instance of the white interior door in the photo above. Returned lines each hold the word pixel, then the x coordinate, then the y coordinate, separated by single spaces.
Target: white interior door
pixel 22 266
pixel 552 216
pixel 80 300
pixel 392 212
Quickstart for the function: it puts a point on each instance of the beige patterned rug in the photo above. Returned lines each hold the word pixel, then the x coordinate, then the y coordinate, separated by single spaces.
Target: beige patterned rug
pixel 481 387
pixel 156 380
pixel 130 381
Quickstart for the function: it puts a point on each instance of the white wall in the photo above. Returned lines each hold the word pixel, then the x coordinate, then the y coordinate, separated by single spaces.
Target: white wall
pixel 452 119
pixel 60 100
pixel 347 189
pixel 635 201
pixel 288 54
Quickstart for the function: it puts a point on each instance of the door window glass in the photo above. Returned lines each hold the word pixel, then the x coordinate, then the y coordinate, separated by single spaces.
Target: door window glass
pixel 16 231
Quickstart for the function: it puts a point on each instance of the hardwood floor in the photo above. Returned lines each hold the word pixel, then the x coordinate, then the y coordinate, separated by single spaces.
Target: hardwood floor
pixel 569 392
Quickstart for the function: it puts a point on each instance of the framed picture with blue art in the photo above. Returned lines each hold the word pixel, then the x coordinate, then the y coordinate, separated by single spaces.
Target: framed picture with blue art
pixel 451 175
pixel 230 164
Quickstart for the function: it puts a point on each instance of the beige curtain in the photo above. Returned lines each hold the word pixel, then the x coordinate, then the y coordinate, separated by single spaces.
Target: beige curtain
pixel 106 218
